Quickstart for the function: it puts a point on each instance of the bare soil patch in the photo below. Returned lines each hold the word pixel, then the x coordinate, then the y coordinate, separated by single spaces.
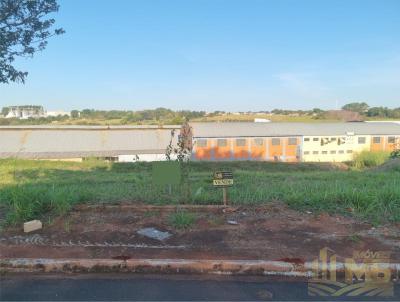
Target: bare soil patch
pixel 270 232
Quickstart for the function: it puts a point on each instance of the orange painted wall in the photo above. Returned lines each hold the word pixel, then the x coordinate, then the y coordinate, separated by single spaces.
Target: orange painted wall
pixel 203 153
pixel 275 150
pixel 258 152
pixel 222 152
pixel 291 150
pixel 378 147
pixel 241 151
pixel 391 147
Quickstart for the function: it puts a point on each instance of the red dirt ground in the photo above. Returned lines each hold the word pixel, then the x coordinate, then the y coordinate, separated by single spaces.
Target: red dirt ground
pixel 271 232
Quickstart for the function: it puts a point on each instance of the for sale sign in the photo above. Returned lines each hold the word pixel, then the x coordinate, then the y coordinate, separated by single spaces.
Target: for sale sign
pixel 223 179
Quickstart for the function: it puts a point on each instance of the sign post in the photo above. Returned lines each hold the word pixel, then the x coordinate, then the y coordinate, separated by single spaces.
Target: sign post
pixel 224 197
pixel 223 179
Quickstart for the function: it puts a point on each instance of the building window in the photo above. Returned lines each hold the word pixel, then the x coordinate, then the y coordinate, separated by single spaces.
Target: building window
pixel 222 143
pixel 240 142
pixel 276 142
pixel 202 143
pixel 341 151
pixel 376 139
pixel 332 152
pixel 391 140
pixel 292 141
pixel 258 141
pixel 324 140
pixel 306 152
pixel 361 140
pixel 324 152
pixel 315 152
pixel 306 139
pixel 315 139
pixel 349 151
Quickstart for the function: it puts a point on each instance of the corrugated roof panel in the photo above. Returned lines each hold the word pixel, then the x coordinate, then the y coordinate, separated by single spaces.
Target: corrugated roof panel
pixel 86 142
pixel 232 129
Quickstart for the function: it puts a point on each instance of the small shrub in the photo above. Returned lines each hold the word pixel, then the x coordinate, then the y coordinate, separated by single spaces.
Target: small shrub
pixel 368 159
pixel 182 219
pixel 395 154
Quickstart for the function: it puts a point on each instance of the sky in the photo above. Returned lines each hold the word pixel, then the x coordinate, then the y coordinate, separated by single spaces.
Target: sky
pixel 216 55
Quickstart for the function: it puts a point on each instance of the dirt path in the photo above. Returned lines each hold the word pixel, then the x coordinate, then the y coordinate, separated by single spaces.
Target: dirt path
pixel 272 232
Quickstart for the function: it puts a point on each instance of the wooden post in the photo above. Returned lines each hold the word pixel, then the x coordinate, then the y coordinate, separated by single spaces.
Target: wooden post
pixel 224 194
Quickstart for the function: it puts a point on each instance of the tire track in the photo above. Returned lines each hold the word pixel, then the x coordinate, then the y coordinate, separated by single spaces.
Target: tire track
pixel 39 240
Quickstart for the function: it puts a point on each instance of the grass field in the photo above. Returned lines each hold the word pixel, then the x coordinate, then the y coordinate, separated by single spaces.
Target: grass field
pixel 177 121
pixel 36 189
pixel 271 117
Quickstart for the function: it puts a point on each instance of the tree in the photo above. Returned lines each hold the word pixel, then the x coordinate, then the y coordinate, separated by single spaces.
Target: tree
pixel 378 111
pixel 5 111
pixel 317 111
pixel 75 113
pixel 24 30
pixel 356 107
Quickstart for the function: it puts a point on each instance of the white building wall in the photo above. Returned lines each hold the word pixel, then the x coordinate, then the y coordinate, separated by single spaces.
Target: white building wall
pixel 144 157
pixel 330 151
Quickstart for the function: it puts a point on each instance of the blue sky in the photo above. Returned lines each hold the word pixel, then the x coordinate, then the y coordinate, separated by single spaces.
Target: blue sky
pixel 216 54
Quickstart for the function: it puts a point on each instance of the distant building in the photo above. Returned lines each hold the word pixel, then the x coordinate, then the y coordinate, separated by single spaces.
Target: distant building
pixel 75 143
pixel 25 112
pixel 261 120
pixel 291 142
pixel 58 113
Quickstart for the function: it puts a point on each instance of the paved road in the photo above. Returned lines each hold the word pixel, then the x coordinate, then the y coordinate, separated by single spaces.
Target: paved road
pixel 149 287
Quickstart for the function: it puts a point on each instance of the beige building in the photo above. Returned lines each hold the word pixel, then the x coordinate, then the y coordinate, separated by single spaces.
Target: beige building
pixel 334 148
pixel 343 148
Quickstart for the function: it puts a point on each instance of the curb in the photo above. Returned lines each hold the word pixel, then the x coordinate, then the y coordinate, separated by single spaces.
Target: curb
pixel 172 266
pixel 145 207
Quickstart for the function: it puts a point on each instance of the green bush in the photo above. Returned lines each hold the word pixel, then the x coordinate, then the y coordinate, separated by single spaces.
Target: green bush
pixel 182 219
pixel 368 159
pixel 395 154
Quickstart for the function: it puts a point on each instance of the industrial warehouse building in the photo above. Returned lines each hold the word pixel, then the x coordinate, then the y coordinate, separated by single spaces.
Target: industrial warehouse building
pixel 117 143
pixel 291 142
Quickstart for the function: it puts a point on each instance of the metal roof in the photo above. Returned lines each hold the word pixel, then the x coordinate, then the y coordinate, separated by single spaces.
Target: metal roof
pixel 87 127
pixel 249 129
pixel 86 141
pixel 70 142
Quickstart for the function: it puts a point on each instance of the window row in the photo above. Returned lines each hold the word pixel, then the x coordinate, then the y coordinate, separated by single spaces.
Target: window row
pixel 360 140
pixel 241 142
pixel 378 139
pixel 326 152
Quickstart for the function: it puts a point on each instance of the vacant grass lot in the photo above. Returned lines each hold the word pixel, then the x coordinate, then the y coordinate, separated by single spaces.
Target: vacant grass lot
pixel 36 189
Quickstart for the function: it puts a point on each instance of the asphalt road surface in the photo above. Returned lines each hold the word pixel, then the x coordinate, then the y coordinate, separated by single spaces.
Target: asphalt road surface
pixel 160 288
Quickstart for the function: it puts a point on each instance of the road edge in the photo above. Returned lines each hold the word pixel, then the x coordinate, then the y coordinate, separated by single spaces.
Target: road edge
pixel 173 266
